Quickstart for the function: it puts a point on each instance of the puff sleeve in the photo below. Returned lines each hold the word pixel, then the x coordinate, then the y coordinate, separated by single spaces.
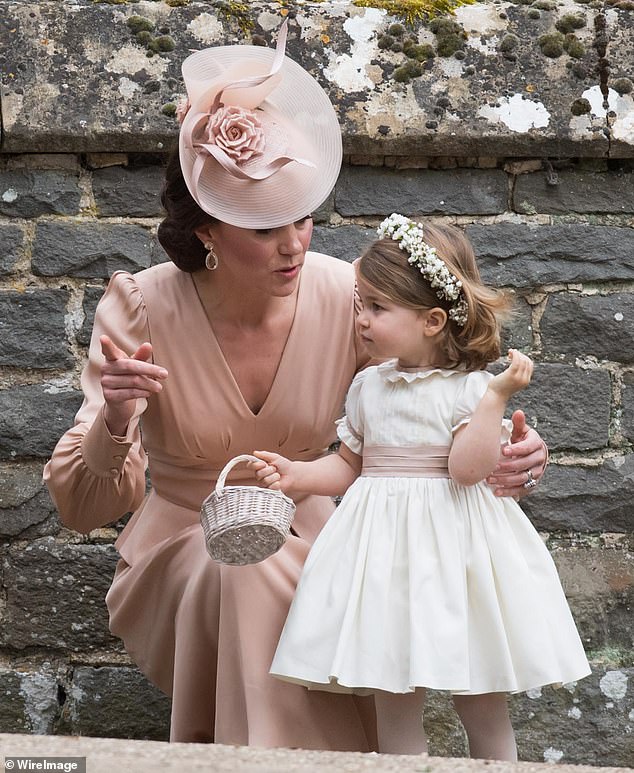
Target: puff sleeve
pixel 93 477
pixel 468 398
pixel 350 428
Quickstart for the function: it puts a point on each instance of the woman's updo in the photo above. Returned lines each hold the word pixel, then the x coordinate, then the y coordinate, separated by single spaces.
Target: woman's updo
pixel 176 233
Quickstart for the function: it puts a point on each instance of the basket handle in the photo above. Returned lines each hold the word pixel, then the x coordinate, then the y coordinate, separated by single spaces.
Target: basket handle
pixel 220 484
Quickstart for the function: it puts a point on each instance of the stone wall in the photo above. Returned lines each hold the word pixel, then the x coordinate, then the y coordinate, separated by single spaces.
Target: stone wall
pixel 549 208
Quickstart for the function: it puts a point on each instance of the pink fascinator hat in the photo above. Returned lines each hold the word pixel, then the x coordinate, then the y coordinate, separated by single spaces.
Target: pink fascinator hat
pixel 260 143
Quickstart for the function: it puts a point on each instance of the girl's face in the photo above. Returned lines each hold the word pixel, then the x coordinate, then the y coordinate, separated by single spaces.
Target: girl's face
pixel 388 330
pixel 269 260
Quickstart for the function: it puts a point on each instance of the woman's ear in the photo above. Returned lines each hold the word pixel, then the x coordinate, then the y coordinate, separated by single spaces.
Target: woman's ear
pixel 204 233
pixel 435 321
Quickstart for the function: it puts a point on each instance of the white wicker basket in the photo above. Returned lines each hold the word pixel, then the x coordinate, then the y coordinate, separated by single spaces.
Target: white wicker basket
pixel 244 524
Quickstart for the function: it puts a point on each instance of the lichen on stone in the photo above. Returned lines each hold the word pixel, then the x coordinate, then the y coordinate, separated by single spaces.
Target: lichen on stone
pixel 414 10
pixel 230 10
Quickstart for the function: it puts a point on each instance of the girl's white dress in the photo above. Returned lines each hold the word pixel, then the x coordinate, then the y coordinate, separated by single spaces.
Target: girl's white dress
pixel 416 581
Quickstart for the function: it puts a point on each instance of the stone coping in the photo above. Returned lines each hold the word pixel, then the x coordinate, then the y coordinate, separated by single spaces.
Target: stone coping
pixel 77 77
pixel 104 755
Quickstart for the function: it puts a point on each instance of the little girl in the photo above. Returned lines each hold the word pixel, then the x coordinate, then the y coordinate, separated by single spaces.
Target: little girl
pixel 423 578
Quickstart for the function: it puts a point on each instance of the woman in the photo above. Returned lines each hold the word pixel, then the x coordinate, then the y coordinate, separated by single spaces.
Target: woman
pixel 246 340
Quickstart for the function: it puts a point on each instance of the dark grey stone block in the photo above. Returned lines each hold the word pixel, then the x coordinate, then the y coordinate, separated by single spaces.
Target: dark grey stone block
pixel 91 251
pixel 55 596
pixel 627 399
pixel 517 332
pixel 31 193
pixel 24 501
pixel 128 191
pixel 11 244
pixel 89 304
pixel 28 701
pixel 569 407
pixel 575 191
pixel 379 191
pixel 33 419
pixel 32 331
pixel 517 255
pixel 598 325
pixel 116 702
pixel 578 724
pixel 585 499
pixel 347 242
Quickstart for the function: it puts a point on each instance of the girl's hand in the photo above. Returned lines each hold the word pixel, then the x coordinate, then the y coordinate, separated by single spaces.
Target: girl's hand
pixel 273 471
pixel 124 379
pixel 527 451
pixel 515 378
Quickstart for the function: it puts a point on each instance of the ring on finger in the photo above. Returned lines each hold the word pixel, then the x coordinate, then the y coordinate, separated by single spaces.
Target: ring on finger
pixel 530 481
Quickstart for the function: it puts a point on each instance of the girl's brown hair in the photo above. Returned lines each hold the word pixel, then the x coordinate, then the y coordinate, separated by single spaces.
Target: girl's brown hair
pixel 477 343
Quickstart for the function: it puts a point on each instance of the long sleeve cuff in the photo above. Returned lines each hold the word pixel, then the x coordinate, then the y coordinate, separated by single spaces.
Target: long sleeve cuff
pixel 104 454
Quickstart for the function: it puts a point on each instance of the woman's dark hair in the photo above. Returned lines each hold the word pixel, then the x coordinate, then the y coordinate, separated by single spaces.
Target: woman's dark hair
pixel 184 216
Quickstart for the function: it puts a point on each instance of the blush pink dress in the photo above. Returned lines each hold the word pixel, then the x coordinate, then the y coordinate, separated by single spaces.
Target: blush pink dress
pixel 203 632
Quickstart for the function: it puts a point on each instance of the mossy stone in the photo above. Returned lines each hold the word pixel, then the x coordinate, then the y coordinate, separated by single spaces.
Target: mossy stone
pixel 396 30
pixel 509 43
pixel 534 13
pixel 143 37
pixel 169 109
pixel 449 44
pixel 165 43
pixel 551 44
pixel 411 69
pixel 385 41
pixel 139 24
pixel 574 47
pixel 580 107
pixel 570 22
pixel 623 86
pixel 544 5
pixel 421 52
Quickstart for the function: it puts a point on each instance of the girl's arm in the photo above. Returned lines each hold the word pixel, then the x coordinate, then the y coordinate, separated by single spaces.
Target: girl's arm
pixel 331 475
pixel 475 450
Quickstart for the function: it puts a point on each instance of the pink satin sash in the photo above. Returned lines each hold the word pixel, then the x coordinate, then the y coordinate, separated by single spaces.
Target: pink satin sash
pixel 405 462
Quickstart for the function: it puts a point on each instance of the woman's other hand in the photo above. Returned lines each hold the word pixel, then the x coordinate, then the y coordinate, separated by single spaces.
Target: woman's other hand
pixel 124 379
pixel 526 452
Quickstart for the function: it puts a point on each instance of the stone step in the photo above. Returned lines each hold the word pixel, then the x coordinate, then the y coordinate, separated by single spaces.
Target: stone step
pixel 108 755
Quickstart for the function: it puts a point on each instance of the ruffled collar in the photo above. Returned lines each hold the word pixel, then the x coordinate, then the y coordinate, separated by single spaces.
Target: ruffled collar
pixel 390 371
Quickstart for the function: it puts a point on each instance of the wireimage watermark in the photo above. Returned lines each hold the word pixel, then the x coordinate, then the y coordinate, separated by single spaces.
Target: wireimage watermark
pixel 66 764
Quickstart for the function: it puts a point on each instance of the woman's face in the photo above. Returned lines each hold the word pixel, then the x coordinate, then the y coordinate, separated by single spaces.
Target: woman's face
pixel 269 259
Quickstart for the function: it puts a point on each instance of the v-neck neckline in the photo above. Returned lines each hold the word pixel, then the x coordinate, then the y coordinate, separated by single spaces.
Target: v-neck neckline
pixel 283 357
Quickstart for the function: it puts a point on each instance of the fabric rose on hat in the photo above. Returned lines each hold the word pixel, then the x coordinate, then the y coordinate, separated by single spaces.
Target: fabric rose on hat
pixel 236 131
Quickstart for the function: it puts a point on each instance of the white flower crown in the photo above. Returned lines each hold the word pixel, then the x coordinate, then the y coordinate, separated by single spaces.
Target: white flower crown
pixel 409 236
